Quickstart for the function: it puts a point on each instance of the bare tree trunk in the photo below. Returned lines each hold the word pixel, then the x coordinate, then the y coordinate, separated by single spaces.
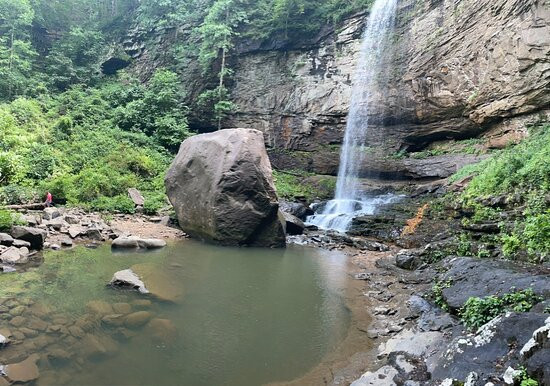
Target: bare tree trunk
pixel 10 63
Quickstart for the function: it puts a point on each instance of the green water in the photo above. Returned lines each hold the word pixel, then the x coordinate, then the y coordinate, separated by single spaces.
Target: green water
pixel 247 316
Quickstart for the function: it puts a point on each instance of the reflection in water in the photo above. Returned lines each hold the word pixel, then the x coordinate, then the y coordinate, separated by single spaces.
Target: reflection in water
pixel 247 317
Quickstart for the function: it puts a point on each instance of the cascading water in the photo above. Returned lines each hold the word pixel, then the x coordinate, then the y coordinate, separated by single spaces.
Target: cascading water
pixel 348 203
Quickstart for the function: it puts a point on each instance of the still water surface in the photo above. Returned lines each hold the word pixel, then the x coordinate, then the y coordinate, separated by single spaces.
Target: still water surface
pixel 247 316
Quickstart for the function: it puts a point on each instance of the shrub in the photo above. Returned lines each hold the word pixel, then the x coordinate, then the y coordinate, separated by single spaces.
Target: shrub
pixel 478 311
pixel 6 220
pixel 153 202
pixel 120 203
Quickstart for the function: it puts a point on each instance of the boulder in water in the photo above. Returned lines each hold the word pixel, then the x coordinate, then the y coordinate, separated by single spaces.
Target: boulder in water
pixel 221 187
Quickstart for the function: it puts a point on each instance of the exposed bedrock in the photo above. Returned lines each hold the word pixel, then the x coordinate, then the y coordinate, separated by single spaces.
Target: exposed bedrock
pixel 222 190
pixel 457 70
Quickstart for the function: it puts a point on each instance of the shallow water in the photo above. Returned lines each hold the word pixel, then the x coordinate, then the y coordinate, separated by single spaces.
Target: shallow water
pixel 247 316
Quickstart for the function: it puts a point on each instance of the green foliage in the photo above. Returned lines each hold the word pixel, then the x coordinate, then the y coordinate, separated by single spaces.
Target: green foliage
pixel 6 220
pixel 120 203
pixel 437 293
pixel 478 311
pixel 290 186
pixel 522 172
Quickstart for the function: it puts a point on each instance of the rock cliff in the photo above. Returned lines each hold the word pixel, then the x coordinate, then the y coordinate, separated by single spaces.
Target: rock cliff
pixel 458 69
pixel 455 70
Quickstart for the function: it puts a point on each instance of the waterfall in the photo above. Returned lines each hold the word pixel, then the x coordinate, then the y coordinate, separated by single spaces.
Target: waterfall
pixel 349 201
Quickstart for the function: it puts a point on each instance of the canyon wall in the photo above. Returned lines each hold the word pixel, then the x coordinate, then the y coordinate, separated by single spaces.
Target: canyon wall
pixel 457 69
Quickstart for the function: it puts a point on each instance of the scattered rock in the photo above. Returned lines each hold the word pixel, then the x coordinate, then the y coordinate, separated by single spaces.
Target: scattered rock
pixel 160 284
pixel 67 243
pixel 34 236
pixel 125 243
pixel 75 231
pixel 6 239
pixel 127 279
pixel 15 255
pixel 151 243
pixel 122 308
pixel 293 225
pixel 94 234
pixel 21 243
pixel 162 330
pixel 408 259
pixel 137 319
pixel 136 197
pixel 50 213
pixel 24 371
pixel 99 307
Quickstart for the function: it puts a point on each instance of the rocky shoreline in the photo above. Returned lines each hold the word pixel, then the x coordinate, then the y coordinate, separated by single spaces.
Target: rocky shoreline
pixel 62 228
pixel 411 332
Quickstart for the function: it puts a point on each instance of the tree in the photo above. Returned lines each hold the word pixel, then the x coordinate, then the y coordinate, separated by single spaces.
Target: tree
pixel 16 52
pixel 217 37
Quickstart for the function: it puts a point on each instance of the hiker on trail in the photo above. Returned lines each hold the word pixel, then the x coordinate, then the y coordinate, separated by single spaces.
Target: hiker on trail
pixel 49 200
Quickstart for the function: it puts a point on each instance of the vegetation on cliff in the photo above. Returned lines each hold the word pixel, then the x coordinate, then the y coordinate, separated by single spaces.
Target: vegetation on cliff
pixel 86 132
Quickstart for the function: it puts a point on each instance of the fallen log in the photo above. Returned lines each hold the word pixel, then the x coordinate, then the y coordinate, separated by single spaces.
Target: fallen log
pixel 26 206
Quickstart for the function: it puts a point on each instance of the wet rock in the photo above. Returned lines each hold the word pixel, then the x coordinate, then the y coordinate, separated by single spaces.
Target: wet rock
pixel 161 284
pixel 93 348
pixel 57 354
pixel 293 225
pixel 408 259
pixel 24 371
pixel 76 331
pixel 34 236
pixel 6 239
pixel 75 231
pixel 18 321
pixel 127 279
pixel 296 209
pixel 99 307
pixel 162 330
pixel 16 311
pixel 122 308
pixel 114 320
pixel 471 277
pixel 151 243
pixel 136 197
pixel 50 213
pixel 137 319
pixel 125 243
pixel 222 189
pixel 369 245
pixel 4 341
pixel 142 303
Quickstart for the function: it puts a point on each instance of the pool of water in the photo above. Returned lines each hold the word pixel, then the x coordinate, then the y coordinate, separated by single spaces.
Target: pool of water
pixel 245 317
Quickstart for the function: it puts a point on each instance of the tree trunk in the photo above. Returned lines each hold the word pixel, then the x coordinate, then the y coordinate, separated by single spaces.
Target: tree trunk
pixel 220 87
pixel 26 206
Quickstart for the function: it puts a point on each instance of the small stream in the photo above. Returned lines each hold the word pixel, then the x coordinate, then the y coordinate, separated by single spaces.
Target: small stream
pixel 245 317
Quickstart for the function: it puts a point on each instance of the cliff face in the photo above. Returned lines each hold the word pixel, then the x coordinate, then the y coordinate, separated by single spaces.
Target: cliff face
pixel 458 69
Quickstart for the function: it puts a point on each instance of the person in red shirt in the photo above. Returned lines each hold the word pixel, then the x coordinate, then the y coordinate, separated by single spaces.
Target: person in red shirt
pixel 49 200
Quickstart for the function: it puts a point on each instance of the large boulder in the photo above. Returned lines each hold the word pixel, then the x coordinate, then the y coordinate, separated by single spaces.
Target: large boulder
pixel 34 236
pixel 221 187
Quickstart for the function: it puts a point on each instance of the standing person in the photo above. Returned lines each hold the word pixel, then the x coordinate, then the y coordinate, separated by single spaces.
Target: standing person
pixel 49 199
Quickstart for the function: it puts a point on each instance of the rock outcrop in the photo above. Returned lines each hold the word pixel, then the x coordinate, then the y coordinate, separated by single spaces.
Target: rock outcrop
pixel 221 187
